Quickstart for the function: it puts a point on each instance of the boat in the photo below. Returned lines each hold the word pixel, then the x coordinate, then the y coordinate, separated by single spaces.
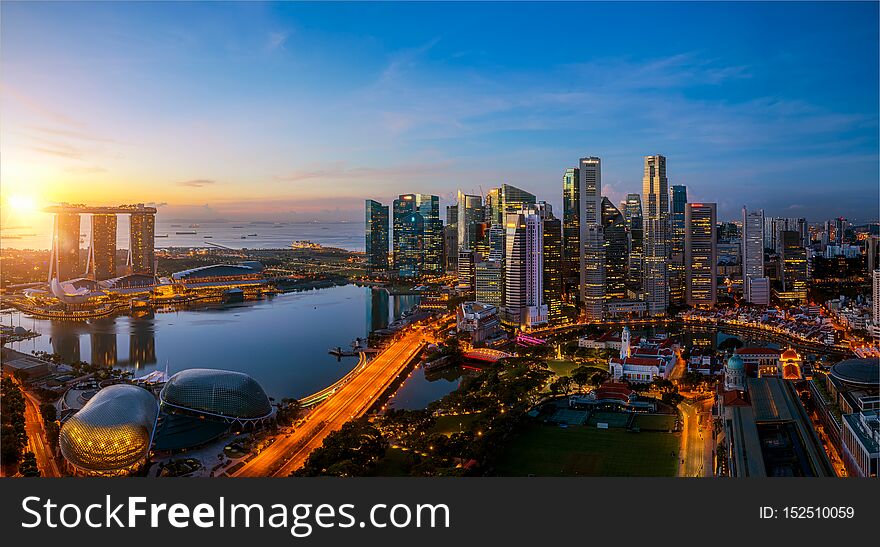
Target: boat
pixel 185 233
pixel 209 237
pixel 160 235
pixel 252 235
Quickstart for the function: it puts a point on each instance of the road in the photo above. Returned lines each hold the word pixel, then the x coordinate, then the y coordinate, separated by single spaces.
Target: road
pixel 37 440
pixel 289 452
pixel 696 440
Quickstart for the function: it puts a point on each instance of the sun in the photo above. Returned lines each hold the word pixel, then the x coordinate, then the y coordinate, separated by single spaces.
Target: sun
pixel 22 204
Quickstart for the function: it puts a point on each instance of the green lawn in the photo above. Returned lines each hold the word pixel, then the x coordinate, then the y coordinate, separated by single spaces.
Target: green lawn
pixel 544 450
pixel 562 367
pixel 453 424
pixel 655 422
pixel 395 463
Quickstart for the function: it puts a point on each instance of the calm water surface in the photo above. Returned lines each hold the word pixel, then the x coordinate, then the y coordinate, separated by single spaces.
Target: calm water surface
pixel 281 341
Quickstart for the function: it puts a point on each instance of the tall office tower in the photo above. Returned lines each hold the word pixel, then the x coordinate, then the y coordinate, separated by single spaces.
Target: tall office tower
pixel 489 280
pixel 141 243
pixel 496 242
pixel 553 283
pixel 480 241
pixel 701 254
pixel 571 233
pixel 524 256
pixel 794 266
pixel 470 211
pixel 417 241
pixel 770 233
pixel 450 239
pixel 376 244
pixel 632 214
pixel 872 250
pixel 676 241
pixel 616 247
pixel 875 281
pixel 466 260
pixel 728 232
pixel 840 226
pixel 492 206
pixel 64 260
pixel 592 249
pixel 101 263
pixel 450 249
pixel 753 258
pixel 656 245
pixel 779 225
pixel 513 200
pixel 407 238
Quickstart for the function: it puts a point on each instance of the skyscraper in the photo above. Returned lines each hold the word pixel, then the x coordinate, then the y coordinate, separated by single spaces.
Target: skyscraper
pixel 513 200
pixel 489 276
pixel 571 233
pixel 794 267
pixel 470 211
pixel 875 286
pixel 614 232
pixel 141 249
pixel 492 206
pixel 376 243
pixel 753 258
pixel 524 287
pixel 676 257
pixel 64 262
pixel 553 286
pixel 450 239
pixel 632 214
pixel 418 235
pixel 700 254
pixel 592 249
pixel 101 263
pixel 466 260
pixel 656 245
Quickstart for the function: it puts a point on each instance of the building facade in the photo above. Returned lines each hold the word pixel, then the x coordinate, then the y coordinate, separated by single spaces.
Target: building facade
pixel 524 257
pixel 656 243
pixel 376 242
pixel 700 254
pixel 676 243
pixel 592 259
pixel 101 262
pixel 571 232
pixel 755 292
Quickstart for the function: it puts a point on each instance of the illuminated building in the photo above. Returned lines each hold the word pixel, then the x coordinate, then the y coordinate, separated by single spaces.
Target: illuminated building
pixel 656 236
pixel 875 286
pixel 418 235
pixel 466 260
pixel 225 395
pixel 64 261
pixel 479 320
pixel 592 266
pixel 700 254
pixel 632 214
pixel 524 255
pixel 614 233
pixel 861 443
pixel 470 212
pixel 489 280
pixel 112 433
pixel 512 200
pixel 101 263
pixel 376 236
pixel 553 285
pixel 571 232
pixel 141 250
pixel 790 365
pixel 492 207
pixel 794 268
pixel 676 240
pixel 755 285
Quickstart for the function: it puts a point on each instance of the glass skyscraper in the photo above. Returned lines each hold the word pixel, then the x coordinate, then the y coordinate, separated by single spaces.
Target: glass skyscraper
pixel 571 233
pixel 418 235
pixel 655 214
pixel 615 244
pixel 376 243
pixel 701 254
pixel 676 258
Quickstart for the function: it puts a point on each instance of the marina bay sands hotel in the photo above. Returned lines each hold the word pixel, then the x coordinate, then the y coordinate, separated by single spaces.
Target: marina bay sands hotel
pixel 64 262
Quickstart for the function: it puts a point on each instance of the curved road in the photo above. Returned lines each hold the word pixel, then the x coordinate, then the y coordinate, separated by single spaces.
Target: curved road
pixel 37 440
pixel 289 452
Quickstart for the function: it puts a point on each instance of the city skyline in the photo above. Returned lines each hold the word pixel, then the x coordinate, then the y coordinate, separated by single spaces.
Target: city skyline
pixel 278 138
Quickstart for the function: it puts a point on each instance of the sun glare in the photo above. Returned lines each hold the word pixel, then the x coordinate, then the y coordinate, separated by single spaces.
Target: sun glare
pixel 22 204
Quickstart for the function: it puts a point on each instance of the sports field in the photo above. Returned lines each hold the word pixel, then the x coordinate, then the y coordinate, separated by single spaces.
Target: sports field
pixel 545 450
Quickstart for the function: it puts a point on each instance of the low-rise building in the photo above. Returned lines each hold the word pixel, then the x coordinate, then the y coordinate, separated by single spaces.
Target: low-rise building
pixel 479 320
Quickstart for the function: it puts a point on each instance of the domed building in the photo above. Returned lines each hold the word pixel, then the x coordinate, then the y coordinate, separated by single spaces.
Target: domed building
pixel 232 397
pixel 734 374
pixel 112 433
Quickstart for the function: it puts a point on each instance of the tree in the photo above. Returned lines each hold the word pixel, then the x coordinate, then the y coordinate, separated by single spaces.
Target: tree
pixel 28 465
pixel 730 344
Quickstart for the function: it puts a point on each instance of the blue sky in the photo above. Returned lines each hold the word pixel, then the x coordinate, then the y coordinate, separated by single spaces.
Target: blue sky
pixel 300 111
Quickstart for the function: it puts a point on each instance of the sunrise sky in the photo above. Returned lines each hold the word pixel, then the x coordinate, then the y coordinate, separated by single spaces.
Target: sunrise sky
pixel 300 111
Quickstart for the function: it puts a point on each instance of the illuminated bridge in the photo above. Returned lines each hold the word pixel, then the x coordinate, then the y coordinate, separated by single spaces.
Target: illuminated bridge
pixel 320 396
pixel 485 355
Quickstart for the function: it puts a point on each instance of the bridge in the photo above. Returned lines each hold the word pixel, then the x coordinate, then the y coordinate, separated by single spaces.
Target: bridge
pixel 485 354
pixel 347 401
pixel 321 396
